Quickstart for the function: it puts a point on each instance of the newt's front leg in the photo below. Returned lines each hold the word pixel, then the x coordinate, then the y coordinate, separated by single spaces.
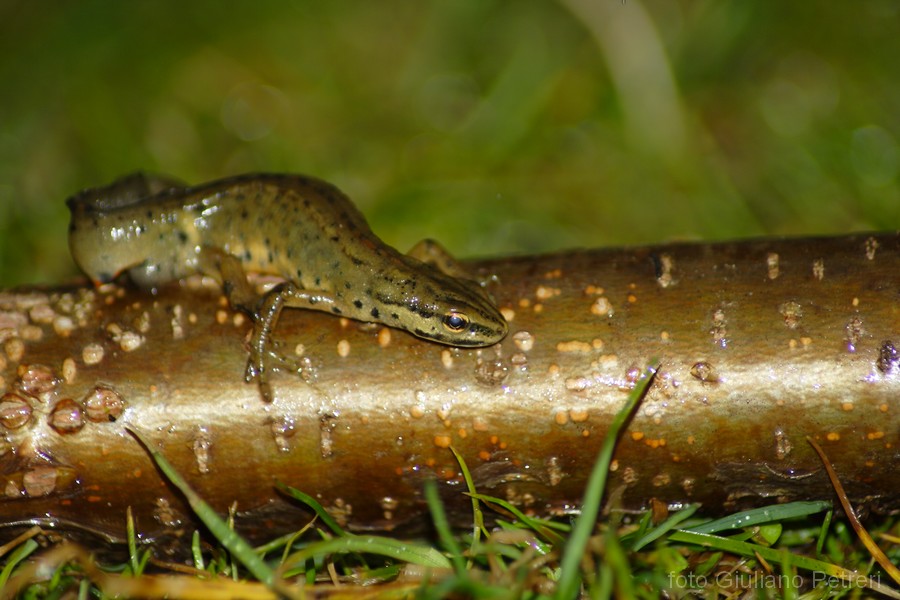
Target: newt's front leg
pixel 284 294
pixel 264 310
pixel 431 252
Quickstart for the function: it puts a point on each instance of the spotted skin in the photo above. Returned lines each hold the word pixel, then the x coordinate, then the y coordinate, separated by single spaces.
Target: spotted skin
pixel 297 227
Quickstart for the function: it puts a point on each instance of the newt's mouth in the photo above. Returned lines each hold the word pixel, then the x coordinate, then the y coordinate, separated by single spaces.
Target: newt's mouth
pixel 476 336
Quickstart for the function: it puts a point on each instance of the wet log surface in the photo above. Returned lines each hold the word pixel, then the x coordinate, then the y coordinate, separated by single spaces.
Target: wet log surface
pixel 761 344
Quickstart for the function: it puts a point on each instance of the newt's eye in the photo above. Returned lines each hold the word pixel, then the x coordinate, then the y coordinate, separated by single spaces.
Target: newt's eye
pixel 455 322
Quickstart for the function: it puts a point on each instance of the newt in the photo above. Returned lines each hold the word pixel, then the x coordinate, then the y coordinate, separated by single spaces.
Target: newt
pixel 297 227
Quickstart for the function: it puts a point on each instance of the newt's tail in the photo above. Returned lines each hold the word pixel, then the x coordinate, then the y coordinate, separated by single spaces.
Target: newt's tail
pixel 124 191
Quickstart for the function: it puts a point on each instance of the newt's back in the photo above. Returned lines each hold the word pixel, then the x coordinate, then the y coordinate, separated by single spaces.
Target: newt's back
pixel 289 225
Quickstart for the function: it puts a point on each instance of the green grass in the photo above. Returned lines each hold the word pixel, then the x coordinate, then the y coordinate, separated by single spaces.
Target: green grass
pixel 792 550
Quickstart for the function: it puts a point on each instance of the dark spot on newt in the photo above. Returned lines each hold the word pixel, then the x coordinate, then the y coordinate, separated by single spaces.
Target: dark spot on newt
pixel 374 313
pixel 357 303
pixel 182 236
pixel 335 310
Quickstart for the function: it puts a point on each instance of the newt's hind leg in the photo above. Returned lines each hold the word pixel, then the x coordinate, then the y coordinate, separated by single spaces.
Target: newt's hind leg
pixel 228 271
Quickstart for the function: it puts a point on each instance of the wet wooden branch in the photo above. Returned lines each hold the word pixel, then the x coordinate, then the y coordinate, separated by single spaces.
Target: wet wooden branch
pixel 761 344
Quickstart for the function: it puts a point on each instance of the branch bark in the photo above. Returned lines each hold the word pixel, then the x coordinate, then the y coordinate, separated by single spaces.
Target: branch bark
pixel 761 344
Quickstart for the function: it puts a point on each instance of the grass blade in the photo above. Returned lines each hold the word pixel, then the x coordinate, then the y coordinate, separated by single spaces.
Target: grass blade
pixel 369 544
pixel 542 528
pixel 477 515
pixel 569 579
pixel 748 518
pixel 443 526
pixel 666 526
pixel 16 556
pixel 315 506
pixel 217 526
pixel 876 552
pixel 777 556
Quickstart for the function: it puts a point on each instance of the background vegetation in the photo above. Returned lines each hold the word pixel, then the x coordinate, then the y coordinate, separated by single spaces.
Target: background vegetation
pixel 496 126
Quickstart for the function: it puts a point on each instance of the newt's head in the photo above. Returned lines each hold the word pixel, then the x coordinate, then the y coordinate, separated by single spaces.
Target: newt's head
pixel 447 310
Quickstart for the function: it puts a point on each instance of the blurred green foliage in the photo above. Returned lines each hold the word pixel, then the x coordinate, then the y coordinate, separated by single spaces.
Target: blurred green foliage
pixel 495 126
